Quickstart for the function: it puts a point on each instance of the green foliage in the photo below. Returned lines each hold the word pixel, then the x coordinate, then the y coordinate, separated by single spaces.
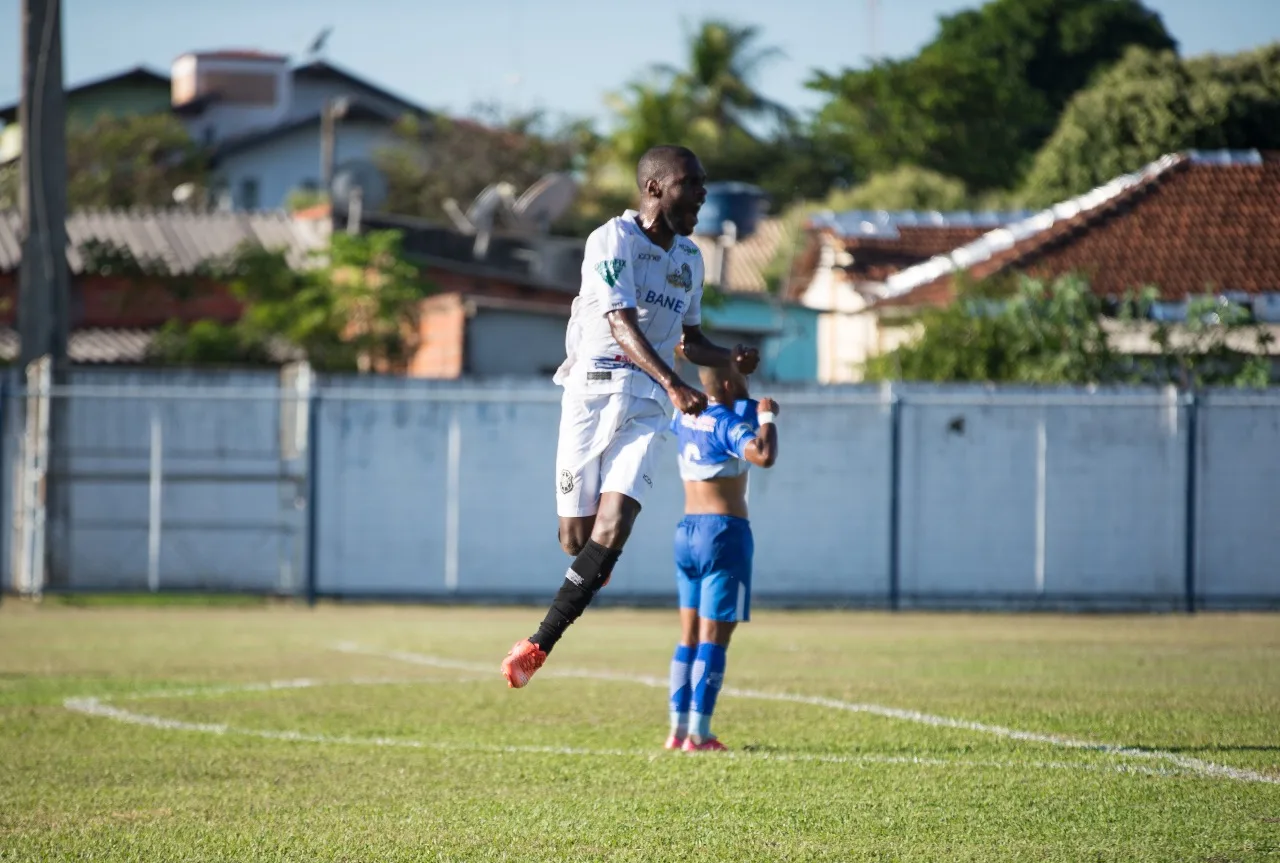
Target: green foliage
pixel 1152 104
pixel 351 311
pixel 435 160
pixel 711 105
pixel 120 162
pixel 304 199
pixel 904 188
pixel 978 100
pixel 1063 333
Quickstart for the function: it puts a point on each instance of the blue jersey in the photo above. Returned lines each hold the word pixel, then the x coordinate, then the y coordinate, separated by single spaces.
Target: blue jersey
pixel 713 442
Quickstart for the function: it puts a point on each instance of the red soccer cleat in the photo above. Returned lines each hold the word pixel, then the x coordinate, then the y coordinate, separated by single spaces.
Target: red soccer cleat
pixel 674 742
pixel 711 744
pixel 522 661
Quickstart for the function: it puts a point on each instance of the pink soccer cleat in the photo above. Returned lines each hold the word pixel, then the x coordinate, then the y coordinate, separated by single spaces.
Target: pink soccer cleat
pixel 711 744
pixel 522 661
pixel 674 742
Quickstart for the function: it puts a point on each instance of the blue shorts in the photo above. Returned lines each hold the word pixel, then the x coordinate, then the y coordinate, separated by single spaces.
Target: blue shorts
pixel 713 566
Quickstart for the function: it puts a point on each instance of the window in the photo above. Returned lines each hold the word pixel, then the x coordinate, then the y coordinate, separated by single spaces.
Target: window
pixel 249 193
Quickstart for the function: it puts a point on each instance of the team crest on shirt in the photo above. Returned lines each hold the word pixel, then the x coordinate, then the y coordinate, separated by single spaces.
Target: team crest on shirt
pixel 611 271
pixel 681 278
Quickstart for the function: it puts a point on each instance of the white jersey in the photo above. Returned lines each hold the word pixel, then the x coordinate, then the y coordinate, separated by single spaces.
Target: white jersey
pixel 623 269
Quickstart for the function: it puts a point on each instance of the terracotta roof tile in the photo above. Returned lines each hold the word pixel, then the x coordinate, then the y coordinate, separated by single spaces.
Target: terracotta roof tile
pixel 1190 224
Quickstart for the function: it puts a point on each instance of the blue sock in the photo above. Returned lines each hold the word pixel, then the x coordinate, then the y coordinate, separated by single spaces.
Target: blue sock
pixel 681 691
pixel 708 676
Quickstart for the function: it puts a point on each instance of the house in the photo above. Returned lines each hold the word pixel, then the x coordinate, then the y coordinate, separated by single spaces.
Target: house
pixel 751 312
pixel 134 91
pixel 259 116
pixel 502 312
pixel 1194 224
pixel 115 314
pixel 850 254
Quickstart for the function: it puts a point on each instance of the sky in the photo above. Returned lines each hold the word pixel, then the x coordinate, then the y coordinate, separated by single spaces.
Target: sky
pixel 561 56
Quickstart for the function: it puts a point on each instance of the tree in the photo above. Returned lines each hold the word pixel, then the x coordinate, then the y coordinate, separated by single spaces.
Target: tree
pixel 718 79
pixel 133 161
pixel 981 98
pixel 355 309
pixel 712 106
pixel 1152 104
pixel 434 160
pixel 904 188
pixel 1063 333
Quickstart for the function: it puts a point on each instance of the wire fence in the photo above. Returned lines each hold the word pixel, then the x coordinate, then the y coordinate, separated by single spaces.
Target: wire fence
pixel 899 497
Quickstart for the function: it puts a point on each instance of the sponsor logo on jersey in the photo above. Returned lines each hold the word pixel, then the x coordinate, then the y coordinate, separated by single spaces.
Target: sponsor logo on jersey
pixel 611 271
pixel 649 256
pixel 656 298
pixel 681 278
pixel 688 249
pixel 614 362
pixel 701 422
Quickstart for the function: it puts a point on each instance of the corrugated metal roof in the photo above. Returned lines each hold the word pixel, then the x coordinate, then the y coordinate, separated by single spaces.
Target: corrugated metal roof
pixel 748 259
pixel 884 224
pixel 182 239
pixel 118 346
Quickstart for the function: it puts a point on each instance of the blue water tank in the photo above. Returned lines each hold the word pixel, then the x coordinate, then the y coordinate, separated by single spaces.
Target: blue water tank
pixel 740 203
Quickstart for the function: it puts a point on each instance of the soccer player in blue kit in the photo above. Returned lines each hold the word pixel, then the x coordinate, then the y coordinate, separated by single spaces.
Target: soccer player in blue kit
pixel 713 545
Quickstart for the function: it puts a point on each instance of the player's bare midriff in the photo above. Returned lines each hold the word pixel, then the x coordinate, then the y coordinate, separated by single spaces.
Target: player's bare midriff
pixel 720 496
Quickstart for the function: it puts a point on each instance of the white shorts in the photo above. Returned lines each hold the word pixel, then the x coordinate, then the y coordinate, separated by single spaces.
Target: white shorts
pixel 606 444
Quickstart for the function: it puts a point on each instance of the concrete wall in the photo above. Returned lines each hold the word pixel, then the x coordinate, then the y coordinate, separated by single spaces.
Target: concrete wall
pixel 230 517
pixel 440 488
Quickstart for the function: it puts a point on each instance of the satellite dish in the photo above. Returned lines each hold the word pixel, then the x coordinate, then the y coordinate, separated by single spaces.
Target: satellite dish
pixel 544 202
pixel 357 174
pixel 483 212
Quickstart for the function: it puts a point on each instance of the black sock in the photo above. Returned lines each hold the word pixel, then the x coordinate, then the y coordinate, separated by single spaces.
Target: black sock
pixel 588 572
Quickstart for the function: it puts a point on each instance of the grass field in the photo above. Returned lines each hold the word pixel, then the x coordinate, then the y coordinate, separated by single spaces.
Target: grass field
pixel 147 733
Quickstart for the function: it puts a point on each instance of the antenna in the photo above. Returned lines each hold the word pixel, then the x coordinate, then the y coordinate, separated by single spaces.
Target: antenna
pixel 318 43
pixel 544 202
pixel 482 213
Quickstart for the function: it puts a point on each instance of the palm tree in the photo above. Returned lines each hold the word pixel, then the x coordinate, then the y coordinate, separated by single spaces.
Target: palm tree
pixel 722 62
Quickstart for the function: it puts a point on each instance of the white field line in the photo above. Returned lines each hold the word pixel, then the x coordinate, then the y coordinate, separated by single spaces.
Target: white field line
pixel 98 707
pixel 1193 765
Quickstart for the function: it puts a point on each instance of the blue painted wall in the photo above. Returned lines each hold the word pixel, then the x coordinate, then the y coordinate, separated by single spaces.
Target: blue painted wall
pixel 789 334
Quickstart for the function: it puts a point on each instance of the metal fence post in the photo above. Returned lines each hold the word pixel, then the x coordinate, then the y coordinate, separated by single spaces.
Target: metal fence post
pixel 6 525
pixel 895 498
pixel 1193 411
pixel 313 492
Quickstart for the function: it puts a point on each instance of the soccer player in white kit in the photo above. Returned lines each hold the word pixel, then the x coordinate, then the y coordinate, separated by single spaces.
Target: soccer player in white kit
pixel 641 295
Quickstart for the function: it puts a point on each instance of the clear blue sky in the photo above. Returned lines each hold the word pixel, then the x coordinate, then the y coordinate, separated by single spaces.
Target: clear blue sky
pixel 560 55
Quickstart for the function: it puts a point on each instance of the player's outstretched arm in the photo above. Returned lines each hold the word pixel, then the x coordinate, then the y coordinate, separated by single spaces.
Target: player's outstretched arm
pixel 701 351
pixel 625 327
pixel 762 450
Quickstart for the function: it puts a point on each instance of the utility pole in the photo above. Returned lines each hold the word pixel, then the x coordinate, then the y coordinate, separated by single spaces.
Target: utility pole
pixel 43 282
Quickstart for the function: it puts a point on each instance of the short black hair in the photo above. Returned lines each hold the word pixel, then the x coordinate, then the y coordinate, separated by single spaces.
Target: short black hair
pixel 657 163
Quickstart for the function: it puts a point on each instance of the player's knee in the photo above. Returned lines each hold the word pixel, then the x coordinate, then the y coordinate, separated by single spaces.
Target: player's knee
pixel 573 536
pixel 615 520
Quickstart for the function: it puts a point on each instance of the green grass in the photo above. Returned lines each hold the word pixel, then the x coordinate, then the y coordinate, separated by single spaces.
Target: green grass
pixel 419 762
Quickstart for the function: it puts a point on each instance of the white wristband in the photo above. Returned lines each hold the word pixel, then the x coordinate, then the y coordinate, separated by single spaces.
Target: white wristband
pixel 765 417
